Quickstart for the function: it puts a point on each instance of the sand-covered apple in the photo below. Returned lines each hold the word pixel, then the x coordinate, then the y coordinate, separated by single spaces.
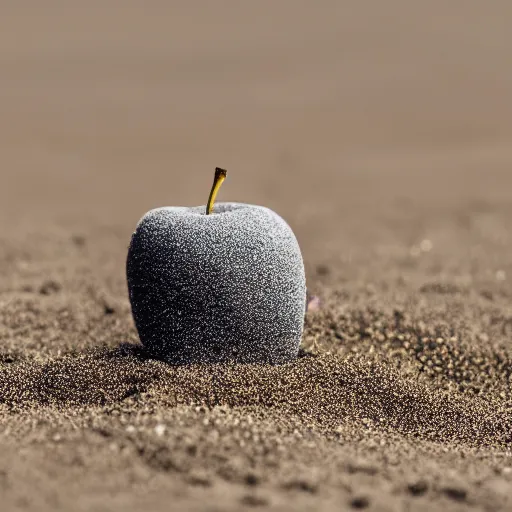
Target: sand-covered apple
pixel 216 283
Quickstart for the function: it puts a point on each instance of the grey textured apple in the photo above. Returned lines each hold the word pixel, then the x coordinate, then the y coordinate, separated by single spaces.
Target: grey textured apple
pixel 217 283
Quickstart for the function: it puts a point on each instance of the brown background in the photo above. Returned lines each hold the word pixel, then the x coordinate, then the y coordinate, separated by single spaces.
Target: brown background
pixel 369 126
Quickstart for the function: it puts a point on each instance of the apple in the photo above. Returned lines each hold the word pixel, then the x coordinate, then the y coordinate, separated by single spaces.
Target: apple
pixel 223 282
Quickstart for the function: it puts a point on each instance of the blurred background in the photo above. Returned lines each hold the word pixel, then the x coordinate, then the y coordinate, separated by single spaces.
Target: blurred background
pixel 352 119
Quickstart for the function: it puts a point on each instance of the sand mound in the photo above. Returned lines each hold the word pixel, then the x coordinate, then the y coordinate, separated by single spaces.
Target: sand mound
pixel 323 391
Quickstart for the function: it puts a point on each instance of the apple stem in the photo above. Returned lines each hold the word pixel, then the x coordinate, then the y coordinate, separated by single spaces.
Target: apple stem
pixel 220 176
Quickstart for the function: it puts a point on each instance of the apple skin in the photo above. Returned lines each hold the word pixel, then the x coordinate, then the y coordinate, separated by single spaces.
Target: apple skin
pixel 224 287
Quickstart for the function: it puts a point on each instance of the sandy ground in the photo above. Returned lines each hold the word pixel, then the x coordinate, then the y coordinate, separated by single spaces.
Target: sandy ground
pixel 381 131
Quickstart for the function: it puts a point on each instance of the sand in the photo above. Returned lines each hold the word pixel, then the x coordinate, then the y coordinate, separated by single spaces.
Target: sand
pixel 381 133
